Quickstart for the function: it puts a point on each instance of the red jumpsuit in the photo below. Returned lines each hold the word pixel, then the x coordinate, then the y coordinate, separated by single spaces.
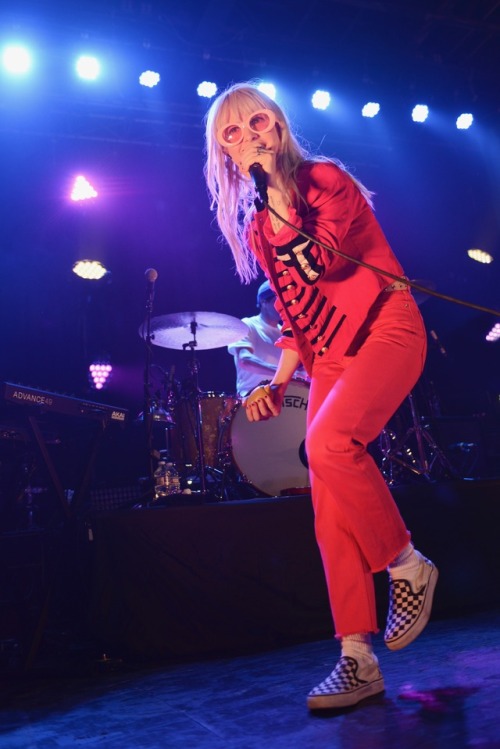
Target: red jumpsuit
pixel 364 348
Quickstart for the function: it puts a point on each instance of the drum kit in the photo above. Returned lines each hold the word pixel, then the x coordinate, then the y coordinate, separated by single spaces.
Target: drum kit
pixel 219 453
pixel 216 450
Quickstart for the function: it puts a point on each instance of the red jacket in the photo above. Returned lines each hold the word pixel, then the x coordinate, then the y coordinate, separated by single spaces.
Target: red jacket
pixel 322 298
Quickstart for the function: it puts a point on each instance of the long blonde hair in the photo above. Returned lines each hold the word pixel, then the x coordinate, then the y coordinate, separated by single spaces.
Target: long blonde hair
pixel 232 194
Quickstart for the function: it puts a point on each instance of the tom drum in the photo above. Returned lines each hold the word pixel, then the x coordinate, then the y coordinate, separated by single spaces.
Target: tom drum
pixel 215 410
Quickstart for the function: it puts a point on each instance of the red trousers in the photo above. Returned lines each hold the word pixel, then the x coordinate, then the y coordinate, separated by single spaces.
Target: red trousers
pixel 358 526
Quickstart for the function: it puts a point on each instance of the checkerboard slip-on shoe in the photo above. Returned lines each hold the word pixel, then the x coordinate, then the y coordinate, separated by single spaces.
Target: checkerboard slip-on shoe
pixel 410 605
pixel 348 684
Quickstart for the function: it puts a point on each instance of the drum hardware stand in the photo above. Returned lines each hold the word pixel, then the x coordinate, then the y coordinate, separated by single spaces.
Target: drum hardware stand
pixel 398 453
pixel 151 276
pixel 162 411
pixel 230 479
pixel 208 330
pixel 194 369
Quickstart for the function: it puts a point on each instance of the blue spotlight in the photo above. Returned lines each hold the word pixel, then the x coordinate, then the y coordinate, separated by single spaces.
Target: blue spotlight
pixel 207 89
pixel 149 78
pixel 371 109
pixel 420 113
pixel 269 89
pixel 16 60
pixel 321 100
pixel 88 68
pixel 464 121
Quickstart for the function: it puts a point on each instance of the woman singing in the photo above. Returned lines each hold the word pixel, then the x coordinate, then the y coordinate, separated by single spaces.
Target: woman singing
pixel 360 336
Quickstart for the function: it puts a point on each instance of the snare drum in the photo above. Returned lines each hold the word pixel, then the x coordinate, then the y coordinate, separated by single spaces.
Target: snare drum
pixel 270 454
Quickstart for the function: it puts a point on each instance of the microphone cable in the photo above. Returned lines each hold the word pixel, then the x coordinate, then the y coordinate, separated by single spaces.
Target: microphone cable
pixel 374 268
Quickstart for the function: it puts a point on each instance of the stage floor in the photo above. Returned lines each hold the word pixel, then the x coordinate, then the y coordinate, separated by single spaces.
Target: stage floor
pixel 442 692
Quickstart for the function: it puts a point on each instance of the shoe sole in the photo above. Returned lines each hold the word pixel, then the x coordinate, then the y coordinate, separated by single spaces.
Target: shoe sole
pixel 412 634
pixel 348 699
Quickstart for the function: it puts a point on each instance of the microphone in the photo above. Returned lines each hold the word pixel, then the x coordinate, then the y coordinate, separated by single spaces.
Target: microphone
pixel 151 275
pixel 259 178
pixel 438 343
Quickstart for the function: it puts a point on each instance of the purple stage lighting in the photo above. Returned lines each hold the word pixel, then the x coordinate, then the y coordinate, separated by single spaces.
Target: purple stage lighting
pixel 90 270
pixel 99 374
pixel 82 189
pixel 494 334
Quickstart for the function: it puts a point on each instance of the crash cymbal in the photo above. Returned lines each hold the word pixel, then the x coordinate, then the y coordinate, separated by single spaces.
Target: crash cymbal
pixel 209 329
pixel 420 295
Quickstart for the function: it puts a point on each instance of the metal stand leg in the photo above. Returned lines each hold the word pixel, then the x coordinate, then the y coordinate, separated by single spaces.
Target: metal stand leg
pixel 195 367
pixel 415 452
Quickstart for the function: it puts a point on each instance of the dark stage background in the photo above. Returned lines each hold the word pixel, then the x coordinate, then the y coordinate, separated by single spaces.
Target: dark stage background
pixel 437 188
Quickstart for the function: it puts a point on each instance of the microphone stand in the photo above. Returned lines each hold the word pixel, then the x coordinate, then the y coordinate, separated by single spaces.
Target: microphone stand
pixel 151 276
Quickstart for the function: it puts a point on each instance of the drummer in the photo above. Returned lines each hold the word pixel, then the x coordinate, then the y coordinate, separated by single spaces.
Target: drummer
pixel 255 355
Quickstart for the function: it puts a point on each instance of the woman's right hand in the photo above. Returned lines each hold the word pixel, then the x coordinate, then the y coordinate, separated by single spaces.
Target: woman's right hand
pixel 264 402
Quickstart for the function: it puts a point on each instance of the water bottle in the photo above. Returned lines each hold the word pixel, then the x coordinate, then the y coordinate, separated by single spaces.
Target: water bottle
pixel 160 476
pixel 167 480
pixel 173 481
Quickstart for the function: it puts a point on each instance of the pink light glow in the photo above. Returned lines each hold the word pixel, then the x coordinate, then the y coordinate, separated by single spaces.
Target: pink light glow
pixel 99 374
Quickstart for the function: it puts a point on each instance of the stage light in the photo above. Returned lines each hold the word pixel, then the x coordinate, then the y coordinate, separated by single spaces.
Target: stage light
pixel 420 113
pixel 149 78
pixel 321 99
pixel 494 334
pixel 99 373
pixel 464 121
pixel 371 109
pixel 269 89
pixel 480 256
pixel 88 68
pixel 82 190
pixel 16 60
pixel 90 270
pixel 207 89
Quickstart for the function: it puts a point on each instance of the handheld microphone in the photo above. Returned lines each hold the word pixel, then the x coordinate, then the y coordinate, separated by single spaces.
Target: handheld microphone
pixel 259 178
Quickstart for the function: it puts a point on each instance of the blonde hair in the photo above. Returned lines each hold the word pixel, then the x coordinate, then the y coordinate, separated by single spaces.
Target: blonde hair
pixel 232 194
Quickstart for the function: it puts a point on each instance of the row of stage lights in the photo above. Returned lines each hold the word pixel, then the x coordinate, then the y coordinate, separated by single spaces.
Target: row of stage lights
pixel 18 61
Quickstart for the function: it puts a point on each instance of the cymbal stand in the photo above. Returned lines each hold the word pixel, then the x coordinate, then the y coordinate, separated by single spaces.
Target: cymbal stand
pixel 194 369
pixel 147 410
pixel 398 453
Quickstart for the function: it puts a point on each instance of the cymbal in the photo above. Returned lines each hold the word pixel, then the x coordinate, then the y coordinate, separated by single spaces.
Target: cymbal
pixel 209 329
pixel 420 296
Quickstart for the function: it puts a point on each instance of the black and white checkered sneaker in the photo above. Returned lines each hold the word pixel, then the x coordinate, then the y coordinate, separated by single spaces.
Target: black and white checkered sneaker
pixel 410 605
pixel 348 684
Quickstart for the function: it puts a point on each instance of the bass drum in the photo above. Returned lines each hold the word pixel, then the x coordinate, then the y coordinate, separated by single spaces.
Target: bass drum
pixel 270 454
